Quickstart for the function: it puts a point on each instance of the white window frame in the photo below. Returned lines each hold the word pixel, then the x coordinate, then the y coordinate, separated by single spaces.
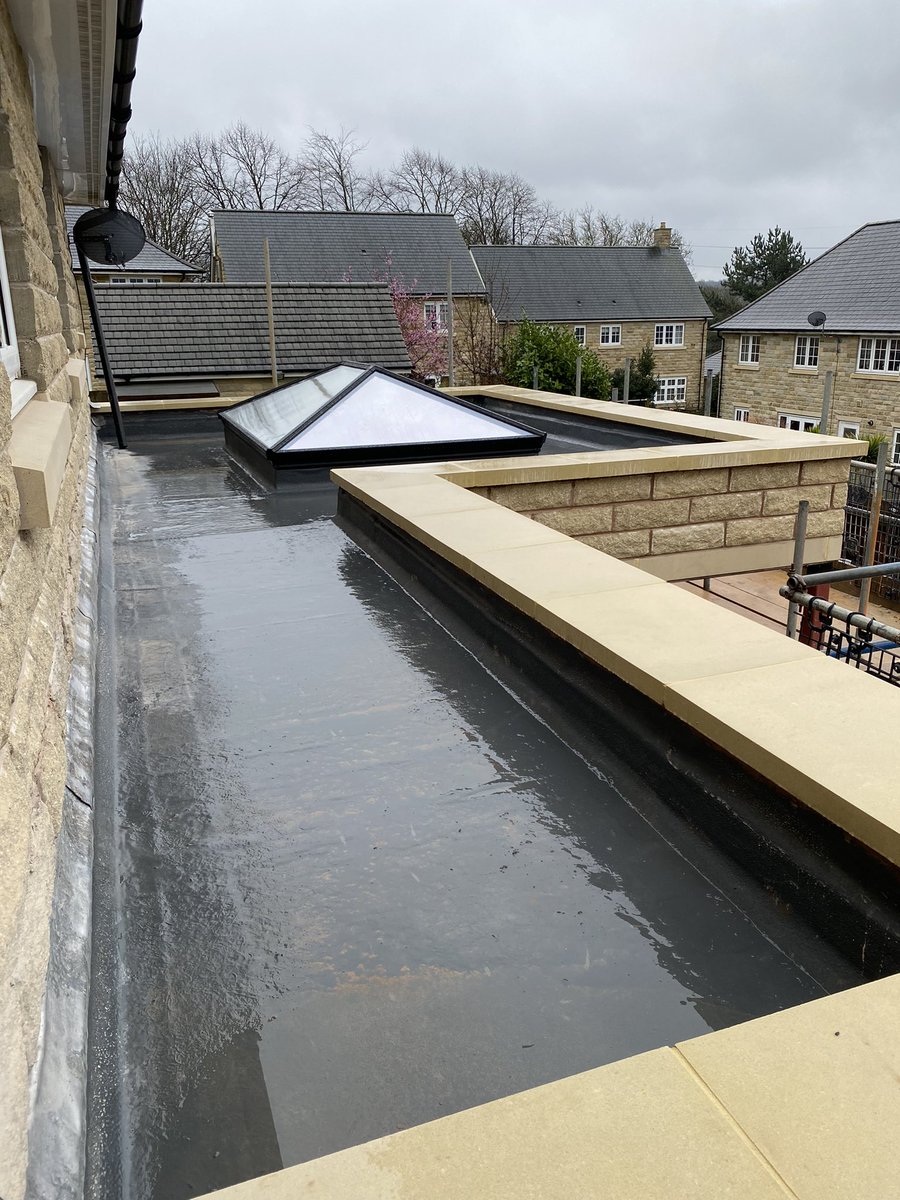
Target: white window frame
pixel 804 424
pixel 806 352
pixel 848 429
pixel 750 347
pixel 874 349
pixel 9 347
pixel 895 448
pixel 576 329
pixel 668 335
pixel 437 319
pixel 741 414
pixel 135 279
pixel 671 389
pixel 610 335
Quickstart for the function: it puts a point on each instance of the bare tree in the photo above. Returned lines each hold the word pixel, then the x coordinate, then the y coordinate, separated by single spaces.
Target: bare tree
pixel 245 168
pixel 160 189
pixel 501 209
pixel 419 182
pixel 336 183
pixel 588 227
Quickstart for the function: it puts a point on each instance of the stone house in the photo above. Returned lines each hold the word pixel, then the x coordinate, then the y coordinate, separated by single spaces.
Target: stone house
pixel 774 361
pixel 334 247
pixel 616 300
pixel 65 69
pixel 209 344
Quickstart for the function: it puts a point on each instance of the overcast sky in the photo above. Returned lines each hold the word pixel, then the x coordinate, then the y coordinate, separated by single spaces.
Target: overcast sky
pixel 721 117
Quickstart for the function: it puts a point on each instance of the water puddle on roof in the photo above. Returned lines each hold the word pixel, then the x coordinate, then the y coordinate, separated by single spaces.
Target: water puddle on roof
pixel 346 882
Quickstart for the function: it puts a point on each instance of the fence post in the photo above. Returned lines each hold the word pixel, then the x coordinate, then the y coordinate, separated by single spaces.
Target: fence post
pixel 578 375
pixel 874 521
pixel 797 568
pixel 626 383
pixel 534 377
pixel 707 395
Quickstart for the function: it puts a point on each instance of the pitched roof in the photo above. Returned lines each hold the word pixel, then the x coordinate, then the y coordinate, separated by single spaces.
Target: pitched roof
pixel 315 247
pixel 856 284
pixel 152 260
pixel 215 329
pixel 589 283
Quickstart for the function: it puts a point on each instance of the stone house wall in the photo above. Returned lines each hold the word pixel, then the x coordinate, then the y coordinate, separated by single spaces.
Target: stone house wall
pixel 675 361
pixel 38 578
pixel 775 385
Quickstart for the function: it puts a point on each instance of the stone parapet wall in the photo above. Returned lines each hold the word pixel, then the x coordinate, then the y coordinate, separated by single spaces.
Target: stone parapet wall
pixel 775 385
pixel 38 578
pixel 639 516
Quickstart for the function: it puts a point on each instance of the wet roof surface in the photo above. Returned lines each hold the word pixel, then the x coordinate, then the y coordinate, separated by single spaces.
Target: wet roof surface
pixel 347 882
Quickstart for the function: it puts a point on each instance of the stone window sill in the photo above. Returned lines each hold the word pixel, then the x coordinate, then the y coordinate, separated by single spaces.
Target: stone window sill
pixel 39 449
pixel 747 366
pixel 22 391
pixel 870 375
pixel 813 371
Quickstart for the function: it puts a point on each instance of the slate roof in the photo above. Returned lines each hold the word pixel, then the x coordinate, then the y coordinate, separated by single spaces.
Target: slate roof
pixel 856 284
pixel 589 283
pixel 152 260
pixel 326 246
pixel 215 329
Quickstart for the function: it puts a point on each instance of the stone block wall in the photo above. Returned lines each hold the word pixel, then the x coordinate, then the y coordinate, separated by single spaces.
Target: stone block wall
pixel 775 385
pixel 673 512
pixel 38 578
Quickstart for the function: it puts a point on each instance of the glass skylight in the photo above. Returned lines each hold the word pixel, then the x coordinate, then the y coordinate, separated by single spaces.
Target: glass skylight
pixel 351 414
pixel 383 411
pixel 271 417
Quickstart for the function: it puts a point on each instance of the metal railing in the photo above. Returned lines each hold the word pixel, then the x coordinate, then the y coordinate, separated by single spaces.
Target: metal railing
pixel 861 495
pixel 848 635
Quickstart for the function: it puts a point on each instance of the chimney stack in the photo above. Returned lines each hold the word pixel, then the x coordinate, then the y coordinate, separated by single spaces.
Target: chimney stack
pixel 662 237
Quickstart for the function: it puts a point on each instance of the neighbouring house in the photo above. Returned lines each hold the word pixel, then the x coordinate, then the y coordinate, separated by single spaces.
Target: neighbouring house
pixel 152 265
pixel 65 81
pixel 774 361
pixel 616 300
pixel 210 342
pixel 328 247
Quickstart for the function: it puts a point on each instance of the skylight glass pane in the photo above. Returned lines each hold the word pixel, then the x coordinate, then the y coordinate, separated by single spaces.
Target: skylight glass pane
pixel 388 412
pixel 271 417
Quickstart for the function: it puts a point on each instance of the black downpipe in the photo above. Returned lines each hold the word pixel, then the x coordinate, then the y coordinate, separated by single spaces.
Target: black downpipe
pixel 128 30
pixel 84 267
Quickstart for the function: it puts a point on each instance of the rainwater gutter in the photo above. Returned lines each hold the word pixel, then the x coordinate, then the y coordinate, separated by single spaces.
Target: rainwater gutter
pixel 128 30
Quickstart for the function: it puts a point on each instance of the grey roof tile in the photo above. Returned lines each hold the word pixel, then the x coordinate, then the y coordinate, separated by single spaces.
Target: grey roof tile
pixel 317 247
pixel 211 329
pixel 152 260
pixel 588 283
pixel 856 284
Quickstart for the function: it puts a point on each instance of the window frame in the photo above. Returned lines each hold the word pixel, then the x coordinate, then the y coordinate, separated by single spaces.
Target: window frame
pixel 808 351
pixel 9 345
pixel 890 351
pixel 741 414
pixel 438 322
pixel 611 340
pixel 667 383
pixel 895 448
pixel 752 342
pixel 807 424
pixel 582 341
pixel 843 427
pixel 659 338
pixel 135 279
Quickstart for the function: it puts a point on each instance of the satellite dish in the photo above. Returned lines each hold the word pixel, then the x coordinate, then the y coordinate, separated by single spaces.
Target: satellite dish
pixel 816 318
pixel 109 236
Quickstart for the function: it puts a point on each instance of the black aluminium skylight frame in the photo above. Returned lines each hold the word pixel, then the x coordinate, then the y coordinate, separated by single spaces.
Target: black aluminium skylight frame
pixel 379 452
